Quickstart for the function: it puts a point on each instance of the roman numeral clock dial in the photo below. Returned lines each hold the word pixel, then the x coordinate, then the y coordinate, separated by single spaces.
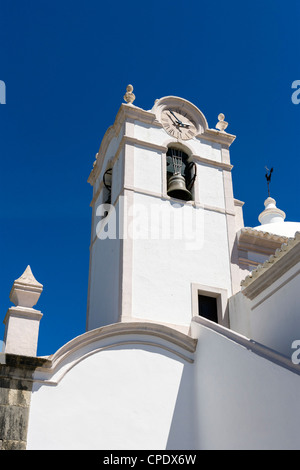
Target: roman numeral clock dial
pixel 178 124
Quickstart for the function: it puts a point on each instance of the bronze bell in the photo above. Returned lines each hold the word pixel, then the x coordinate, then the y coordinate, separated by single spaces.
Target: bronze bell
pixel 177 188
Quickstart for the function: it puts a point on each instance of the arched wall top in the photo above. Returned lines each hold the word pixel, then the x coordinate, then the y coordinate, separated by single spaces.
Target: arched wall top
pixel 107 337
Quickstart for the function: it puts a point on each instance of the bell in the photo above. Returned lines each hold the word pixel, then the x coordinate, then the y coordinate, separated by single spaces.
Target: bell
pixel 177 188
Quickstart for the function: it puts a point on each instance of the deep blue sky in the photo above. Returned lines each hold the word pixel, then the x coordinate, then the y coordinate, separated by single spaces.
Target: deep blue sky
pixel 66 65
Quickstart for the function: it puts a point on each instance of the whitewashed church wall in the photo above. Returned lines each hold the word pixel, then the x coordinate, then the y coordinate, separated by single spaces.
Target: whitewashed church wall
pixel 239 314
pixel 197 146
pixel 206 149
pixel 210 186
pixel 147 170
pixel 272 317
pixel 244 400
pixel 139 396
pixel 275 319
pixel 104 284
pixel 164 269
pixel 122 398
pixel 117 177
pixel 111 150
pixel 149 174
pixel 148 133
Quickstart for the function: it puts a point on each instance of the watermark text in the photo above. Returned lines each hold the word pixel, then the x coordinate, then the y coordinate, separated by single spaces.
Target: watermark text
pixel 2 92
pixel 174 221
pixel 296 354
pixel 296 94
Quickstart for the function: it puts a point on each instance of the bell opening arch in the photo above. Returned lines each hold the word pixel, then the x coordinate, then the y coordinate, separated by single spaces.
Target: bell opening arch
pixel 180 172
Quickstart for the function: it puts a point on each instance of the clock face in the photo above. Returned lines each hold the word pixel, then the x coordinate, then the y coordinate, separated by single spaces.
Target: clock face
pixel 178 124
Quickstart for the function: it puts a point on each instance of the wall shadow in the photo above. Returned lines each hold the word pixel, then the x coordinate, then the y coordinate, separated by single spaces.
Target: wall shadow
pixel 183 434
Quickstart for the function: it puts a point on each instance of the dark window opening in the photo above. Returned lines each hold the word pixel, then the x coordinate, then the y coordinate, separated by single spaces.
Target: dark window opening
pixel 208 308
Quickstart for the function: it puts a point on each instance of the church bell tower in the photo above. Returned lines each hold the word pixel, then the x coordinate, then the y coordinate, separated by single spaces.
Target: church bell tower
pixel 164 218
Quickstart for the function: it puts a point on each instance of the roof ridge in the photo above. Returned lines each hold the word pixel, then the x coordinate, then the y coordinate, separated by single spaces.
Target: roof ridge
pixel 279 253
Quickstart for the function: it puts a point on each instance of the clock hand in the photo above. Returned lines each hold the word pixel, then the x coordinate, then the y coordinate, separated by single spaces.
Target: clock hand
pixel 173 120
pixel 175 124
pixel 179 122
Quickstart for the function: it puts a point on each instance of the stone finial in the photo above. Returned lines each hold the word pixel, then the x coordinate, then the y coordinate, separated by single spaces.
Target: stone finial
pixel 26 290
pixel 221 124
pixel 22 321
pixel 129 97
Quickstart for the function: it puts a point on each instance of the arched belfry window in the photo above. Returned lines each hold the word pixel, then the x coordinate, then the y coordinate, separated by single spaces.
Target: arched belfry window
pixel 107 183
pixel 107 177
pixel 181 174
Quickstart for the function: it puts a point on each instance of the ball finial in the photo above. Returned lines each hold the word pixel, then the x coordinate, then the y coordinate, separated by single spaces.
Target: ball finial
pixel 221 125
pixel 129 97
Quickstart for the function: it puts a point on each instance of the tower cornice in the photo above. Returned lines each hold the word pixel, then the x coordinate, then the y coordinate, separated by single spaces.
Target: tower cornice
pixel 130 113
pixel 127 112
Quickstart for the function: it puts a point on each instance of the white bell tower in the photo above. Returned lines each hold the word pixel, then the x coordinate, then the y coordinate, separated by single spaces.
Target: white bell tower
pixel 164 219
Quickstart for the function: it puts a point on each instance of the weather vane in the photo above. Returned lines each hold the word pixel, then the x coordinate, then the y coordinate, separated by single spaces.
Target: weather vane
pixel 268 178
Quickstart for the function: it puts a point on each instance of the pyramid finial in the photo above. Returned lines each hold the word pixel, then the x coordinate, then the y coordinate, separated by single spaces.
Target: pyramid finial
pixel 26 290
pixel 28 278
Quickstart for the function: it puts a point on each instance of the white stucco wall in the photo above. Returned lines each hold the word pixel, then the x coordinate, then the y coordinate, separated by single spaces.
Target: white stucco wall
pixel 148 133
pixel 275 319
pixel 210 184
pixel 240 314
pixel 121 398
pixel 198 146
pixel 159 273
pixel 104 282
pixel 272 317
pixel 244 400
pixel 163 270
pixel 117 177
pixel 147 170
pixel 126 392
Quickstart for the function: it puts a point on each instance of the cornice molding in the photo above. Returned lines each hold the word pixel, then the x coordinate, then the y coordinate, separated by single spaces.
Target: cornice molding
pixel 23 312
pixel 117 334
pixel 220 137
pixel 126 111
pixel 130 112
pixel 251 238
pixel 126 139
pixel 214 163
pixel 143 143
pixel 239 203
pixel 159 148
pixel 271 270
pixel 247 262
